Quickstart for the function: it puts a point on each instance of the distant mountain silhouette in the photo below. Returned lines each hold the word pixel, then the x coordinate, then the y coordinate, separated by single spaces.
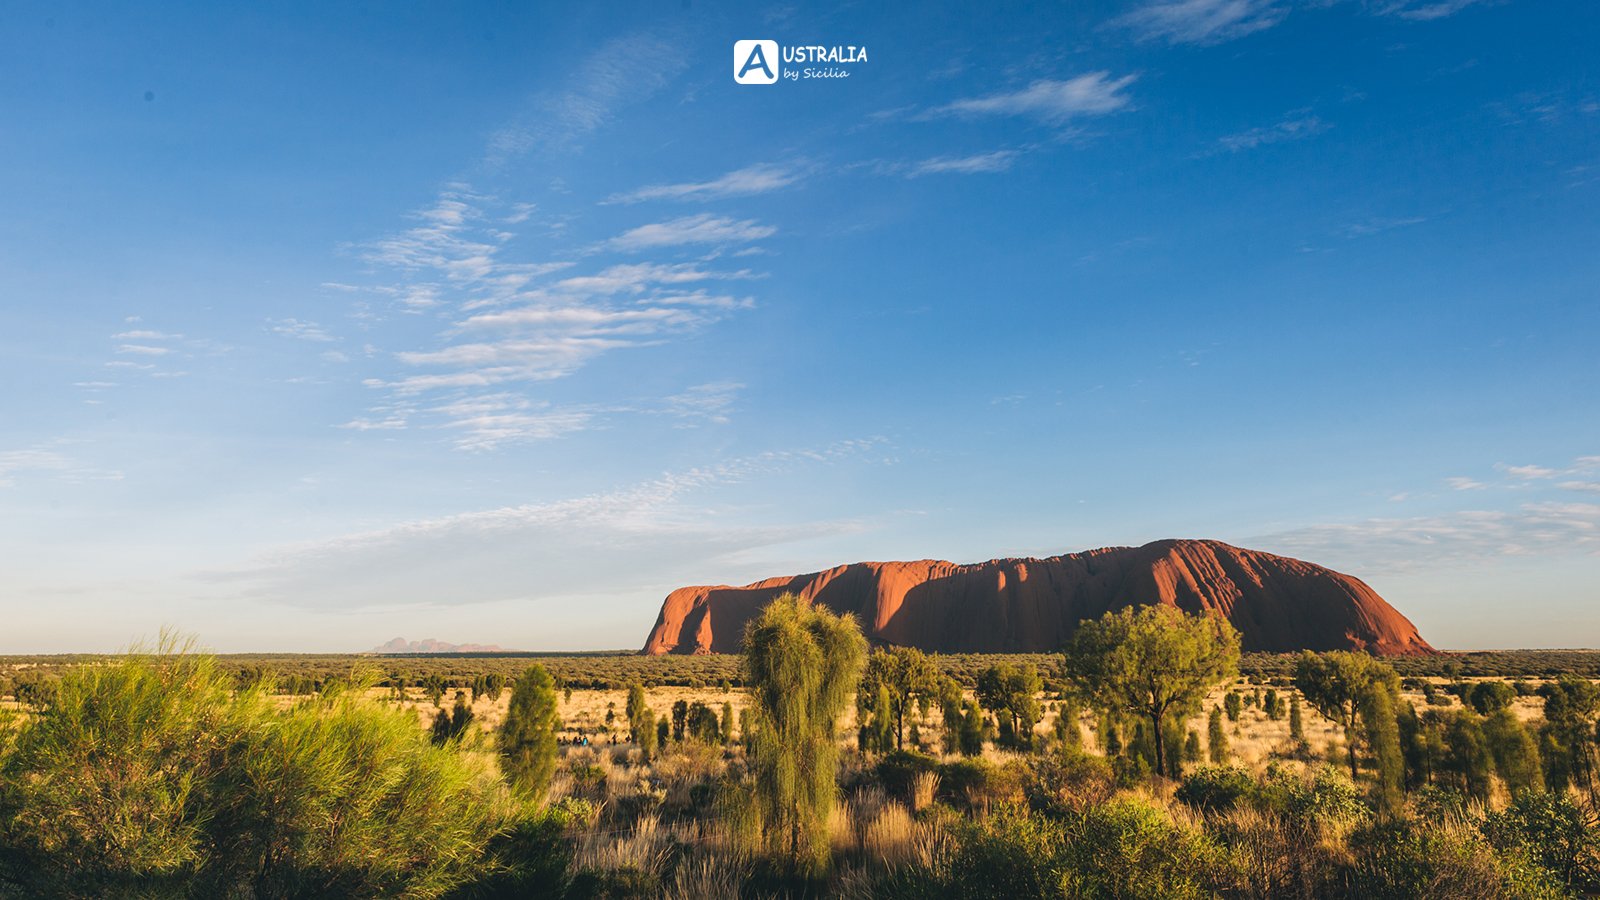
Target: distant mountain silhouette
pixel 431 645
pixel 1034 605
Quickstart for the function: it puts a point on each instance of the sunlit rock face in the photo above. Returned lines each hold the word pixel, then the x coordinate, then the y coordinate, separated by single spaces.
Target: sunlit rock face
pixel 1034 605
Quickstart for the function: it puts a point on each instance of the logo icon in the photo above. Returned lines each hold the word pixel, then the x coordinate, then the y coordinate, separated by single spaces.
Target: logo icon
pixel 755 62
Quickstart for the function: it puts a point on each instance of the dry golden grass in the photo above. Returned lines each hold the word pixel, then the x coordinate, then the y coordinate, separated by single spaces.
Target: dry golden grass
pixel 1254 740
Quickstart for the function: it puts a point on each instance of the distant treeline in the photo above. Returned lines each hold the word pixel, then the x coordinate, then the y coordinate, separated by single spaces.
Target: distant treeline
pixel 615 669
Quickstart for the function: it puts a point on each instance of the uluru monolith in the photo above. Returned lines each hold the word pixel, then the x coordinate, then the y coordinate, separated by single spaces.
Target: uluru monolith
pixel 1278 604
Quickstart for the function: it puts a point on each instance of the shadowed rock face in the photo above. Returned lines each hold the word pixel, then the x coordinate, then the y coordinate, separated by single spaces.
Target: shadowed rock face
pixel 1034 605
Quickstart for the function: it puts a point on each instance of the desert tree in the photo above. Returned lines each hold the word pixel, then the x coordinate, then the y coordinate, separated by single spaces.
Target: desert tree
pixel 1488 697
pixel 951 713
pixel 527 739
pixel 1466 755
pixel 802 664
pixel 1154 662
pixel 1068 728
pixel 1272 705
pixel 635 710
pixel 702 725
pixel 907 675
pixel 1297 727
pixel 1568 736
pixel 1217 737
pixel 1382 733
pixel 1011 693
pixel 1515 752
pixel 1342 686
pixel 680 719
pixel 971 735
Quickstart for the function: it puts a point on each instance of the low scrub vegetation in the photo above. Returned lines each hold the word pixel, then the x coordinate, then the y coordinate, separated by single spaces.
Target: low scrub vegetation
pixel 1146 762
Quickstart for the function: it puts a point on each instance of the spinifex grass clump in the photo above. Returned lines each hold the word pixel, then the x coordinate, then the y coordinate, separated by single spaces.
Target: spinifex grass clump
pixel 151 775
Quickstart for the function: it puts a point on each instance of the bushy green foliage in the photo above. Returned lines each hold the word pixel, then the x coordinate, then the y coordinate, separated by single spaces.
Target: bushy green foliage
pixel 1068 729
pixel 1555 833
pixel 1514 751
pixel 1153 662
pixel 152 776
pixel 1216 737
pixel 527 738
pixel 1567 741
pixel 1490 696
pixel 1467 765
pixel 803 664
pixel 1272 705
pixel 1010 692
pixel 895 678
pixel 528 860
pixel 1341 685
pixel 1216 788
pixel 1378 718
pixel 951 713
pixel 702 724
pixel 1119 849
pixel 970 737
pixel 1417 860
pixel 897 770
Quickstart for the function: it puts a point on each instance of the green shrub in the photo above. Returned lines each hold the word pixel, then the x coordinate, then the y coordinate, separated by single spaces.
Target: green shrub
pixel 1555 833
pixel 979 784
pixel 1013 854
pixel 107 788
pixel 1069 779
pixel 898 768
pixel 1129 849
pixel 151 777
pixel 1216 788
pixel 1321 799
pixel 1416 860
pixel 528 861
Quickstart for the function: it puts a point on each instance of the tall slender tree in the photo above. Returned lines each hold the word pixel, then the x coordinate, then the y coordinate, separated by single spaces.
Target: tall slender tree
pixel 527 739
pixel 802 664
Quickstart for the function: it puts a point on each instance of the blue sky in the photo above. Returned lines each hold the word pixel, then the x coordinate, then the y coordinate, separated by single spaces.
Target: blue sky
pixel 324 324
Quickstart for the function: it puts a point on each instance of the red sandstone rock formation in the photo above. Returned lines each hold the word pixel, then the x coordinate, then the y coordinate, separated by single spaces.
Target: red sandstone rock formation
pixel 1033 605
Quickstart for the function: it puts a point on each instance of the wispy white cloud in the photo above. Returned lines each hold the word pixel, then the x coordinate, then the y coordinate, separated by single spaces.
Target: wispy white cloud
pixel 1294 128
pixel 146 335
pixel 1202 21
pixel 144 350
pixel 994 161
pixel 636 278
pixel 1423 10
pixel 705 402
pixel 697 229
pixel 1401 544
pixel 1462 483
pixel 619 73
pixel 1049 100
pixel 1379 225
pixel 48 461
pixel 300 330
pixel 492 421
pixel 1528 472
pixel 750 180
pixel 563 548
